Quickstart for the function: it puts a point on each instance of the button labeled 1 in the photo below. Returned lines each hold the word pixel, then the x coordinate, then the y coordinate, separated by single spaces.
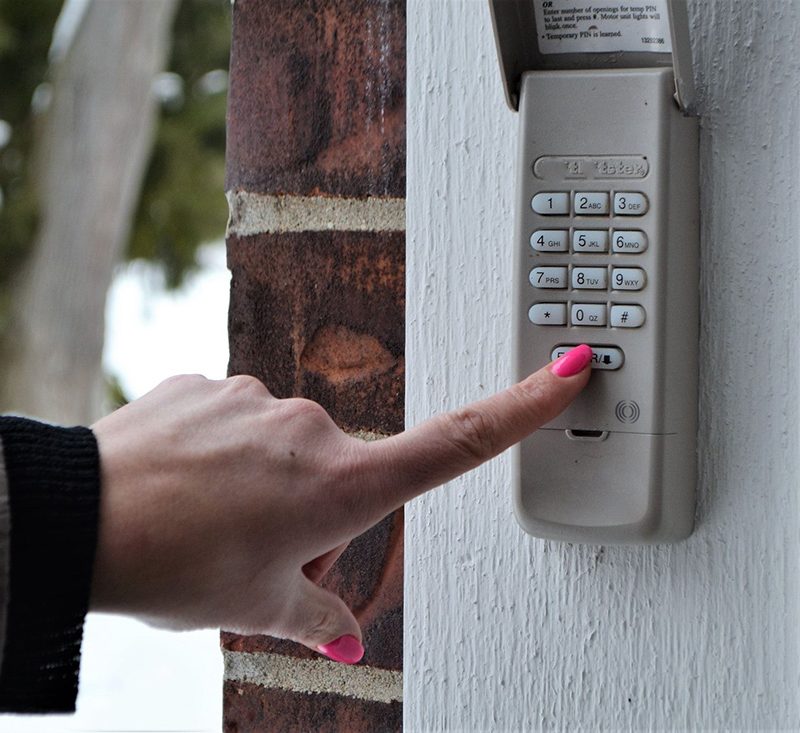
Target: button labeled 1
pixel 550 204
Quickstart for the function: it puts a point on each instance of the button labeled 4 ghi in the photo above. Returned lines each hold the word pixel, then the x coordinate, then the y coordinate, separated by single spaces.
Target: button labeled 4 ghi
pixel 549 240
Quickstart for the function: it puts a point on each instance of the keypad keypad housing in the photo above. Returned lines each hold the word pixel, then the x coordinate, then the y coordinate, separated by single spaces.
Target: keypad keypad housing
pixel 607 254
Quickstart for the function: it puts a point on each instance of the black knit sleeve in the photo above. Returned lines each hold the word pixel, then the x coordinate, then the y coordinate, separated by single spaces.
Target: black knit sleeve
pixel 54 492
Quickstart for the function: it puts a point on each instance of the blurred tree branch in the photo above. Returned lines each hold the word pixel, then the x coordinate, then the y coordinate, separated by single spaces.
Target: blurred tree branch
pixel 90 157
pixel 71 178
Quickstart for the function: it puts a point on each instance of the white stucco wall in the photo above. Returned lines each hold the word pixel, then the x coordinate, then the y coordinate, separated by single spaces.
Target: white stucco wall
pixel 505 632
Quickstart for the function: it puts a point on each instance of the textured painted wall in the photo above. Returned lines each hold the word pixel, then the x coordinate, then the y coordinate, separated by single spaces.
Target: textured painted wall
pixel 505 632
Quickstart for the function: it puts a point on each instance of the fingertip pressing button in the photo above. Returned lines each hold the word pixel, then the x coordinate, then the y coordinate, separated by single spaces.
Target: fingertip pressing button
pixel 605 358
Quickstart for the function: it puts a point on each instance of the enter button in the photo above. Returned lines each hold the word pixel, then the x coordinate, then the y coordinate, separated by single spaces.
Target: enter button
pixel 603 357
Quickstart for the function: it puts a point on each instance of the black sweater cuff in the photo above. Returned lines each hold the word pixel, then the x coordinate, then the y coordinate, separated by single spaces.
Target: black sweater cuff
pixel 54 492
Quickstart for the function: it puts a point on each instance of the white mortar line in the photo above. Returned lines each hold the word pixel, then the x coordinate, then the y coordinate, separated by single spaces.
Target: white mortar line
pixel 253 213
pixel 368 436
pixel 313 675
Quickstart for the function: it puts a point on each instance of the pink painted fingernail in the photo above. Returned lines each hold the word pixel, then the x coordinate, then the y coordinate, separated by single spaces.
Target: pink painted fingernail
pixel 345 649
pixel 573 362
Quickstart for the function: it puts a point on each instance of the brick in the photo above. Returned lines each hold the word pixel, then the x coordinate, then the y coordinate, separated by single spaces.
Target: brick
pixel 248 707
pixel 369 578
pixel 317 98
pixel 321 315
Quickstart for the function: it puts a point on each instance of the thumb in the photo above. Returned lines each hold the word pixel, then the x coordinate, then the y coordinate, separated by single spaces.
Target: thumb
pixel 321 621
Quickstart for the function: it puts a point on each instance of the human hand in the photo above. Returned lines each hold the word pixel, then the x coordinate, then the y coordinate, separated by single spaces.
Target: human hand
pixel 223 506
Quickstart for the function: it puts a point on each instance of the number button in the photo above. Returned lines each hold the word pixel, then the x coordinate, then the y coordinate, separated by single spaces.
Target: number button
pixel 628 242
pixel 630 204
pixel 591 204
pixel 548 314
pixel 550 204
pixel 590 240
pixel 627 316
pixel 627 278
pixel 550 240
pixel 548 277
pixel 588 314
pixel 589 278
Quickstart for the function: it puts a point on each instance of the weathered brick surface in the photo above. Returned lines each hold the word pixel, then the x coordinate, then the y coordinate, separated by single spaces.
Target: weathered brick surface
pixel 250 708
pixel 321 314
pixel 369 578
pixel 317 97
pixel 317 107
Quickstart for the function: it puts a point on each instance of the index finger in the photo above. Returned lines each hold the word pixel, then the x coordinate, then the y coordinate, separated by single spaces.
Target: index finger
pixel 447 445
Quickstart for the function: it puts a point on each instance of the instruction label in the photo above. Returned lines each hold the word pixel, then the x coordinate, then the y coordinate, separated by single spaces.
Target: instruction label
pixel 567 26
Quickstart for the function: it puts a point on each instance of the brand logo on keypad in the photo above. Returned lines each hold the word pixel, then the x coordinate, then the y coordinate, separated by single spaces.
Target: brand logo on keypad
pixel 627 411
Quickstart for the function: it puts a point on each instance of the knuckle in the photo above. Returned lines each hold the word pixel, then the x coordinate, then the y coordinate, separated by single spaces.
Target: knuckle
pixel 181 381
pixel 472 433
pixel 300 408
pixel 247 384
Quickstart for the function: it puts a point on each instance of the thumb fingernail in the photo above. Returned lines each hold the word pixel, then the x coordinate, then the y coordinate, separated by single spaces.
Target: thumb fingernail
pixel 345 649
pixel 573 362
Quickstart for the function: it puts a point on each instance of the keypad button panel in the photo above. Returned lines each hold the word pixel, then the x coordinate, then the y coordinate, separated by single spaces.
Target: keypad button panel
pixel 572 277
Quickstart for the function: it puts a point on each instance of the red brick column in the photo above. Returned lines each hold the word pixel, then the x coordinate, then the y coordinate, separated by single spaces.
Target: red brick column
pixel 316 180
